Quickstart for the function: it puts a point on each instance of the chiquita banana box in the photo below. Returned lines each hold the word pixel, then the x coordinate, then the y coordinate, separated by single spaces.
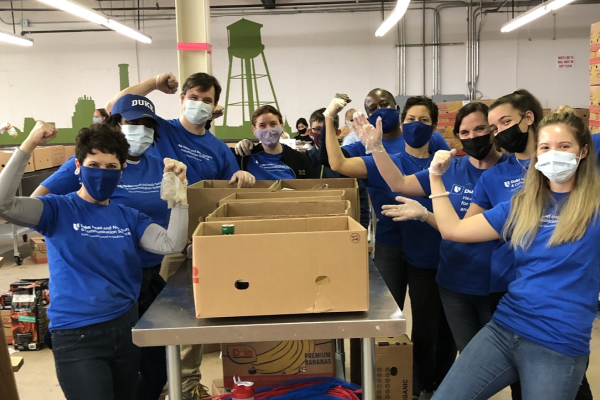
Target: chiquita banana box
pixel 271 363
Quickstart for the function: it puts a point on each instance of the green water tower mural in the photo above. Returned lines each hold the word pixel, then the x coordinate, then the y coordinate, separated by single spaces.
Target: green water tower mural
pixel 244 49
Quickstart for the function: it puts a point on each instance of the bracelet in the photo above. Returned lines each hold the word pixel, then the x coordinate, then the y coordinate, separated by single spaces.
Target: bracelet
pixel 433 196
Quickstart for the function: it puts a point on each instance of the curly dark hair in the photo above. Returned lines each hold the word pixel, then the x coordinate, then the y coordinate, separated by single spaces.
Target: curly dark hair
pixel 103 138
pixel 421 101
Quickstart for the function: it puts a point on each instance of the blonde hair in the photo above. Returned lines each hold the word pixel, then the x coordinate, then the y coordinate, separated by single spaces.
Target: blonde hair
pixel 575 212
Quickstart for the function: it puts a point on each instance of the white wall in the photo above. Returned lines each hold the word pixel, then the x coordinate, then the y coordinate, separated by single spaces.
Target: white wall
pixel 311 57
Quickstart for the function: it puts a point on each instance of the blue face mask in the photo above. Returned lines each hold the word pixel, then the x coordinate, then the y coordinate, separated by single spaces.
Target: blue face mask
pixel 416 134
pixel 389 119
pixel 100 183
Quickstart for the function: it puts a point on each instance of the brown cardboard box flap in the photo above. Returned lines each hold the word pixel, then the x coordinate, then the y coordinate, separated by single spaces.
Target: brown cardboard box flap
pixel 252 273
pixel 285 195
pixel 275 210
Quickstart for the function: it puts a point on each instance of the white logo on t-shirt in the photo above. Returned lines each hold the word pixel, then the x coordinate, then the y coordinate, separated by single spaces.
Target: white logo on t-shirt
pixel 102 232
pixel 76 227
pixel 457 189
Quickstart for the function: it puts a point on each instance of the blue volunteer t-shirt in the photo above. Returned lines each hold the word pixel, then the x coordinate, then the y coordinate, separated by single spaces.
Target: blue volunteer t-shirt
pixel 388 232
pixel 95 272
pixel 64 180
pixel 554 298
pixel 464 267
pixel 139 189
pixel 265 166
pixel 206 156
pixel 421 242
pixel 496 185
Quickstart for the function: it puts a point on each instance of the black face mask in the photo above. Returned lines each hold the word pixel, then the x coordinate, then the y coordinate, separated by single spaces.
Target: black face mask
pixel 478 147
pixel 302 131
pixel 512 139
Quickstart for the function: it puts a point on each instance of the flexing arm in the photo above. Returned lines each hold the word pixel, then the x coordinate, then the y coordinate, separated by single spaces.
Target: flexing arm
pixel 166 83
pixel 353 167
pixel 23 211
pixel 159 240
pixel 40 191
pixel 474 209
pixel 469 230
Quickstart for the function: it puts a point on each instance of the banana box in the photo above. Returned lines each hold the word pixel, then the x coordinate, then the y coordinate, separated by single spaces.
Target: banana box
pixel 595 71
pixel 230 279
pixel 594 98
pixel 450 107
pixel 595 33
pixel 272 363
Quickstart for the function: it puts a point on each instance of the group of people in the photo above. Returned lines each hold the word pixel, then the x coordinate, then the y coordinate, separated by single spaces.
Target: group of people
pixel 497 257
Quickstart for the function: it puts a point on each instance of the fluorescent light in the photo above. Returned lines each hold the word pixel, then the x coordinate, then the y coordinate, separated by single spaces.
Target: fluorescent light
pixel 534 13
pixel 14 39
pixel 127 31
pixel 78 10
pixel 394 17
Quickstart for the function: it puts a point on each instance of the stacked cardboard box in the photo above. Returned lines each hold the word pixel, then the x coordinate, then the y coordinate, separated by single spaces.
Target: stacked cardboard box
pixel 447 118
pixel 28 313
pixel 39 254
pixel 594 112
pixel 394 364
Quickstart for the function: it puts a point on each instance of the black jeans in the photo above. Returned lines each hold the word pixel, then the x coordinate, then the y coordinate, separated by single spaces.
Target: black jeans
pixel 98 361
pixel 467 314
pixel 153 360
pixel 584 392
pixel 434 350
pixel 391 264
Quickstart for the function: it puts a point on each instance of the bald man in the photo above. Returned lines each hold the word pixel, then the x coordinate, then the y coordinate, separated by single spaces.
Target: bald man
pixel 352 136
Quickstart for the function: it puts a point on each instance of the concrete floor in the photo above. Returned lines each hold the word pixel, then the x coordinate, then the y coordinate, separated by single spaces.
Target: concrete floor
pixel 37 378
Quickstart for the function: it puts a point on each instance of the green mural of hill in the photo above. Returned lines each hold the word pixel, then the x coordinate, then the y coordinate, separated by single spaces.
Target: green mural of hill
pixel 84 112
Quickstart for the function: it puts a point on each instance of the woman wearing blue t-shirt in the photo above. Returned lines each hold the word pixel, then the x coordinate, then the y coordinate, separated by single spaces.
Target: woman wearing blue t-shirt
pixel 434 347
pixel 463 271
pixel 139 188
pixel 271 160
pixel 541 331
pixel 95 270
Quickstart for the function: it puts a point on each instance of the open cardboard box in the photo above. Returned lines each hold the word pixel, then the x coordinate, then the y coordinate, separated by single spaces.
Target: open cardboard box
pixel 259 270
pixel 203 197
pixel 293 196
pixel 275 210
pixel 348 185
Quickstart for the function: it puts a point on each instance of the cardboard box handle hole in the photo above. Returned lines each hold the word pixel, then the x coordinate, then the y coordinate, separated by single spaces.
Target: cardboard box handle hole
pixel 322 280
pixel 242 284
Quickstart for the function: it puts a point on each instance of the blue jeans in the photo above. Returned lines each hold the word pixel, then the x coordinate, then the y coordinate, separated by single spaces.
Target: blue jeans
pixel 391 264
pixel 496 357
pixel 466 314
pixel 98 361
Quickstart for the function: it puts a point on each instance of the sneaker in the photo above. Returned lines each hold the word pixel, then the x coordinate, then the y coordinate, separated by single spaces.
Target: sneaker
pixel 425 395
pixel 197 392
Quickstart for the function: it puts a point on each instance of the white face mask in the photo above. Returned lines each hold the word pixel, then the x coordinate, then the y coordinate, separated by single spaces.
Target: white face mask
pixel 97 120
pixel 197 112
pixel 139 138
pixel 349 125
pixel 557 166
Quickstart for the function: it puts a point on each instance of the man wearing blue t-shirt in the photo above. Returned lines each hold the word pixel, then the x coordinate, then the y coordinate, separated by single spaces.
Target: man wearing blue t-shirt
pixel 186 138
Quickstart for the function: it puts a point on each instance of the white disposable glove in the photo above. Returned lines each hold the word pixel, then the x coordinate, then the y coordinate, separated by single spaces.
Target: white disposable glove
pixel 369 135
pixel 337 104
pixel 441 161
pixel 173 187
pixel 244 147
pixel 285 135
pixel 411 210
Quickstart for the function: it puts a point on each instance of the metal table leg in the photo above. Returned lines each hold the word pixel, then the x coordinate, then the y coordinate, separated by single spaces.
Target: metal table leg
pixel 368 368
pixel 340 359
pixel 174 372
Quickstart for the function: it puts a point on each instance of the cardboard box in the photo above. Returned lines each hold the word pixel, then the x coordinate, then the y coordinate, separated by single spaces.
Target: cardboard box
pixel 69 152
pixel 39 254
pixel 450 107
pixel 286 196
pixel 595 71
pixel 594 98
pixel 267 275
pixel 595 34
pixel 217 387
pixel 272 363
pixel 6 324
pixel 394 368
pixel 58 155
pixel 28 314
pixel 6 154
pixel 595 130
pixel 239 211
pixel 42 158
pixel 348 185
pixel 204 196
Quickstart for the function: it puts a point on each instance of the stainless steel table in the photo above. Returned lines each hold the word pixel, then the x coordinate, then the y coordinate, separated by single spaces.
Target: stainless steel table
pixel 171 321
